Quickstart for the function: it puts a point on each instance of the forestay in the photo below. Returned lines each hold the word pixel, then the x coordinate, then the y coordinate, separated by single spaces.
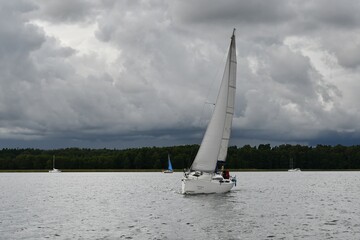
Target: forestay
pixel 215 143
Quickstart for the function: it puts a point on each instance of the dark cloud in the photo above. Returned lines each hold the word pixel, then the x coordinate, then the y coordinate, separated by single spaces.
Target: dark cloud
pixel 18 74
pixel 65 10
pixel 331 13
pixel 138 73
pixel 233 11
pixel 331 137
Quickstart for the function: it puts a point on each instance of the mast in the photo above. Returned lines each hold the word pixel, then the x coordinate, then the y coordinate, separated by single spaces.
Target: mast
pixel 214 145
pixel 230 101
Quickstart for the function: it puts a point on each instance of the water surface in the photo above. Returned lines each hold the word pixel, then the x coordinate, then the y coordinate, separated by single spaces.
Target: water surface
pixel 264 205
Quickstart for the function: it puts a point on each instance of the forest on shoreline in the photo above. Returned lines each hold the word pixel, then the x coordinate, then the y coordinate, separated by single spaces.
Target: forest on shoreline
pixel 265 157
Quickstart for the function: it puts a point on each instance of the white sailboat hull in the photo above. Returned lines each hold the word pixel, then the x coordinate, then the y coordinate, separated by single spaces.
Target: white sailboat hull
pixel 209 183
pixel 294 170
pixel 54 169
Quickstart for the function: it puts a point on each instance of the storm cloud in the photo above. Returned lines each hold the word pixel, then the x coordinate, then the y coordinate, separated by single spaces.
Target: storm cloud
pixel 121 74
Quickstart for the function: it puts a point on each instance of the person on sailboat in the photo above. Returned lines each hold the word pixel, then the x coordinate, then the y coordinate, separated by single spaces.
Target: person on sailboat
pixel 226 174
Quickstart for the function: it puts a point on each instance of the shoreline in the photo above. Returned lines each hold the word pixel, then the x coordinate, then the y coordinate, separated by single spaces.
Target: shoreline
pixel 161 170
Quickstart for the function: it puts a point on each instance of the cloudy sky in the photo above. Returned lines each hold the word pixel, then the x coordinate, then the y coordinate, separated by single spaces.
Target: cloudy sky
pixel 118 74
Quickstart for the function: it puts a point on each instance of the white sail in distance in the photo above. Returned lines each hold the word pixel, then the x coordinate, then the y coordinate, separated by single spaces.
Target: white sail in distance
pixel 215 143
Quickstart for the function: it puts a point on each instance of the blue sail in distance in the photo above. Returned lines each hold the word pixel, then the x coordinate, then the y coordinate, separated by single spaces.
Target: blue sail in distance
pixel 169 164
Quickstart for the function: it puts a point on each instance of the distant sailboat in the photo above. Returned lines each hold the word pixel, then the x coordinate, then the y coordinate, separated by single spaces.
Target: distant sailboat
pixel 292 169
pixel 170 169
pixel 206 174
pixel 54 169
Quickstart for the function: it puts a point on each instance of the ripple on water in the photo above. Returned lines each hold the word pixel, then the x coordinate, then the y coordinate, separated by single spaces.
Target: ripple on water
pixel 332 222
pixel 106 205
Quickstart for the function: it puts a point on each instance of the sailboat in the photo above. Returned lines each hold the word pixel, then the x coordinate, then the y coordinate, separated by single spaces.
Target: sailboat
pixel 207 174
pixel 54 170
pixel 170 169
pixel 292 169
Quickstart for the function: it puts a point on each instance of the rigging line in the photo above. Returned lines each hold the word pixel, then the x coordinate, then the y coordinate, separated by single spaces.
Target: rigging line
pixel 229 86
pixel 229 58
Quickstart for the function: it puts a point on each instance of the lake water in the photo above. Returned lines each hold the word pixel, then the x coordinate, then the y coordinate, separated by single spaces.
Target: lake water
pixel 264 205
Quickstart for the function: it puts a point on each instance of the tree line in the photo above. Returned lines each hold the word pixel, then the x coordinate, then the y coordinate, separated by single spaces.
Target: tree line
pixel 263 156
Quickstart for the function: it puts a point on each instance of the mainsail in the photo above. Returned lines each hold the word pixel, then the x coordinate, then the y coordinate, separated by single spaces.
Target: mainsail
pixel 215 143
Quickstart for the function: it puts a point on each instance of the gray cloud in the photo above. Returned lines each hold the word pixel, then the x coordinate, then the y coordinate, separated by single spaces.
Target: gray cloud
pixel 243 12
pixel 139 72
pixel 331 13
pixel 65 10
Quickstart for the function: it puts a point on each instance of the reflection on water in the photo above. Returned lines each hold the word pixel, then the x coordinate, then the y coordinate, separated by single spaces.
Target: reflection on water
pixel 264 205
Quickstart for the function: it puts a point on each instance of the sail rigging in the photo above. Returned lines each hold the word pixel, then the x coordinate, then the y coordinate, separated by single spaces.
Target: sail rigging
pixel 215 143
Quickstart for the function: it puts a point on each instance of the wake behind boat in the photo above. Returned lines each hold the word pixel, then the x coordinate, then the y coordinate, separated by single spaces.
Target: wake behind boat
pixel 207 174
